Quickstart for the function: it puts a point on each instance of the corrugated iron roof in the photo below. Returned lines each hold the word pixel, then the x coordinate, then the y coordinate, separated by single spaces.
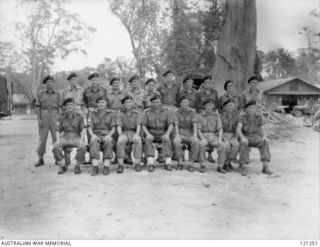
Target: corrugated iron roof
pixel 268 85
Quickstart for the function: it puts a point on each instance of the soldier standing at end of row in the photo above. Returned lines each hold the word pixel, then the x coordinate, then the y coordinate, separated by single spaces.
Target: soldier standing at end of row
pixel 186 132
pixel 101 127
pixel 157 124
pixel 48 109
pixel 252 134
pixel 71 125
pixel 128 127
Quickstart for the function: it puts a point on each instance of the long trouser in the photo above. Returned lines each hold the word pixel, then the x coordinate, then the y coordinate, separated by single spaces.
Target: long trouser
pixel 66 143
pixel 166 146
pixel 125 138
pixel 49 119
pixel 255 140
pixel 107 150
pixel 211 142
pixel 232 146
pixel 193 145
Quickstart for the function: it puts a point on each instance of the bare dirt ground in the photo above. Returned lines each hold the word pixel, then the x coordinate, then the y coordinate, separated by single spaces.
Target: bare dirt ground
pixel 36 203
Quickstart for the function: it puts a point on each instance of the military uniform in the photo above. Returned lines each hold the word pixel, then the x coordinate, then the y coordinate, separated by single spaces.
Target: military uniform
pixel 90 96
pixel 77 94
pixel 209 124
pixel 169 96
pixel 49 104
pixel 190 95
pixel 251 130
pixel 226 97
pixel 157 122
pixel 229 125
pixel 114 100
pixel 252 94
pixel 128 123
pixel 185 119
pixel 146 98
pixel 71 126
pixel 202 97
pixel 101 124
pixel 138 97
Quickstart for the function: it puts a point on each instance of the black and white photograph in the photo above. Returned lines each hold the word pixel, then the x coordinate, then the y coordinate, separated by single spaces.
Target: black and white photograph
pixel 159 120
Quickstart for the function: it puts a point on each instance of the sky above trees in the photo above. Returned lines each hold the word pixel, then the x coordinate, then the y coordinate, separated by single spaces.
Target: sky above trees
pixel 279 22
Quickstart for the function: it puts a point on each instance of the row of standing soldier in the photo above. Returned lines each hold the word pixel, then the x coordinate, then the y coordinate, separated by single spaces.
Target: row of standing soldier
pixel 172 114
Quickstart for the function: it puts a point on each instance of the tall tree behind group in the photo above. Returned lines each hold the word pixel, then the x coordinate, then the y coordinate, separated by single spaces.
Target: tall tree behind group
pixel 237 44
pixel 141 20
pixel 49 31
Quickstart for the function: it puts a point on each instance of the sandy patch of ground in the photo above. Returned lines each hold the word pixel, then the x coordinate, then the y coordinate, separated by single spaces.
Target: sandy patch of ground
pixel 36 203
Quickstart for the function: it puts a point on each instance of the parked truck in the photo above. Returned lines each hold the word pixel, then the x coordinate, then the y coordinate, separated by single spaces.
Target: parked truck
pixel 5 97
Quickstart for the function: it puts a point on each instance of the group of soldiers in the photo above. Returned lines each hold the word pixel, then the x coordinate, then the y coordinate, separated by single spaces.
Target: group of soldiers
pixel 134 123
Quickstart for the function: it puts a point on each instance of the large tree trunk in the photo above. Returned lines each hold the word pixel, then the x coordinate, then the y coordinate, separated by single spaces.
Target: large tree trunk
pixel 237 44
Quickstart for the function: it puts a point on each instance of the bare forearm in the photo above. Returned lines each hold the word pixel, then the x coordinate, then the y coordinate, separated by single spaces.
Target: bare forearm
pixel 195 129
pixel 169 129
pixel 119 130
pixel 138 129
pixel 145 130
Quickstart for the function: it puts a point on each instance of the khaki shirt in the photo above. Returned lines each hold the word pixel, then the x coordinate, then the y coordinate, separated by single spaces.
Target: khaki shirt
pixel 169 96
pixel 209 122
pixel 137 98
pixel 146 98
pixel 128 120
pixel 114 100
pixel 89 96
pixel 236 99
pixel 229 122
pixel 202 96
pixel 249 94
pixel 157 121
pixel 185 119
pixel 74 123
pixel 76 93
pixel 49 100
pixel 191 96
pixel 251 125
pixel 101 122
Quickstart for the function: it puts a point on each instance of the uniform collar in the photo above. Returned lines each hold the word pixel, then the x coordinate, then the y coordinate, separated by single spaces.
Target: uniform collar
pixel 92 88
pixel 52 92
pixel 184 110
pixel 67 115
pixel 209 114
pixel 115 91
pixel 73 88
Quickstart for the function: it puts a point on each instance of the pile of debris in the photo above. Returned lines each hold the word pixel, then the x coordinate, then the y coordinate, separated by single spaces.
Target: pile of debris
pixel 280 126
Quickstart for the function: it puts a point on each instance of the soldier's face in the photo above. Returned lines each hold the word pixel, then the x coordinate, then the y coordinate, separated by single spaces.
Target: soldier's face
pixel 128 104
pixel 156 103
pixel 151 86
pixel 184 103
pixel 229 107
pixel 251 109
pixel 74 81
pixel 209 107
pixel 189 83
pixel 170 77
pixel 69 107
pixel 101 104
pixel 116 85
pixel 135 83
pixel 49 84
pixel 207 84
pixel 230 87
pixel 95 82
pixel 253 84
